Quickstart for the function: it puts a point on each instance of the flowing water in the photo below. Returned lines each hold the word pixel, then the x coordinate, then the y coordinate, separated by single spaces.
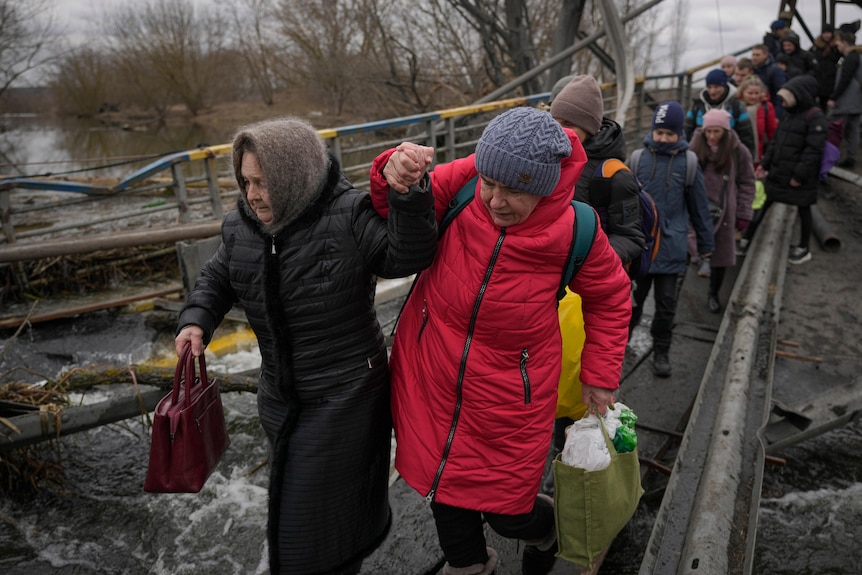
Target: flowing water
pixel 100 521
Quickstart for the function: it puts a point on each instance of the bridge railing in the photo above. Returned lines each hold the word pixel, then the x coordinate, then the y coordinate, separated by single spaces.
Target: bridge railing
pixel 453 132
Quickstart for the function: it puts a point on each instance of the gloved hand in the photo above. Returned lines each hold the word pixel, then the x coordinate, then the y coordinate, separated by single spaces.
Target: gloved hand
pixel 741 224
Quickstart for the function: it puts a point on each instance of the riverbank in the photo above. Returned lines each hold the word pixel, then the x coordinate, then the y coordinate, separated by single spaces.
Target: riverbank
pixel 40 101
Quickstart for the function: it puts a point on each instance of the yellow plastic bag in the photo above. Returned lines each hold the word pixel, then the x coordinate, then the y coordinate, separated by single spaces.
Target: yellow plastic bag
pixel 569 402
pixel 759 195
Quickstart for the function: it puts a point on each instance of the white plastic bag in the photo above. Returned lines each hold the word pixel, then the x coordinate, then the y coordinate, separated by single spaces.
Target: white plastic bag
pixel 585 446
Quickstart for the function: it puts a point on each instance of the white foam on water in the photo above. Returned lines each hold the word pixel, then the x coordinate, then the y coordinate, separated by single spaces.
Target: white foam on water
pixel 243 360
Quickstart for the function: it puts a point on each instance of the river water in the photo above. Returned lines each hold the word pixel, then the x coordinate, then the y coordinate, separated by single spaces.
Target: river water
pixel 100 521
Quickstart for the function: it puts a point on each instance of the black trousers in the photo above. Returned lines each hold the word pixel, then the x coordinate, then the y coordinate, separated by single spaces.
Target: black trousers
pixel 462 535
pixel 666 293
pixel 806 224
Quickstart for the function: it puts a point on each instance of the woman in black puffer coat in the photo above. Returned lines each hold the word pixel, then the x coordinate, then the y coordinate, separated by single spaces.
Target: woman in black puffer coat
pixel 791 164
pixel 301 255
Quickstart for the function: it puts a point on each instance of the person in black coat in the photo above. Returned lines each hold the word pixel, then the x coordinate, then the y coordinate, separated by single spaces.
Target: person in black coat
pixel 791 164
pixel 301 255
pixel 797 57
pixel 827 55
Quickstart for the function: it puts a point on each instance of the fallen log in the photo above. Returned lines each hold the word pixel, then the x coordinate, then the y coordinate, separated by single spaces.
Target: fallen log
pixel 54 421
pixel 82 378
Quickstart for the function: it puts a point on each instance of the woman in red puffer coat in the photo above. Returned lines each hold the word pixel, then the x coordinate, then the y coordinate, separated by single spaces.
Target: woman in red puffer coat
pixel 477 353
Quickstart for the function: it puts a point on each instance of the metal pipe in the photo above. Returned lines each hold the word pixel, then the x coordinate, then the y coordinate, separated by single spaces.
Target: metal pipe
pixel 823 232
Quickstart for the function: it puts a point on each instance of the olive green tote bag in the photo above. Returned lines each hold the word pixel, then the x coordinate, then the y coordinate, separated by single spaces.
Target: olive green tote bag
pixel 592 507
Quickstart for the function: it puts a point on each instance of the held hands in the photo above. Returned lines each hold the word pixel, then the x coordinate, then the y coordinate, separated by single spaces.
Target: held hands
pixel 794 183
pixel 597 398
pixel 193 334
pixel 759 173
pixel 407 165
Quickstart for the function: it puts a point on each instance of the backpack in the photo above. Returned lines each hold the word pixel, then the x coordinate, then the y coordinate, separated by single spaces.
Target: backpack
pixel 600 193
pixel 650 222
pixel 582 235
pixel 690 166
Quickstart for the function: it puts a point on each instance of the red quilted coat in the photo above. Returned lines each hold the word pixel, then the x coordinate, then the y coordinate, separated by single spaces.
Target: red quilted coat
pixel 476 357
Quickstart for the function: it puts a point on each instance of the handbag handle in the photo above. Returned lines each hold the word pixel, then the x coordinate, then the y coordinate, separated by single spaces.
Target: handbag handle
pixel 186 366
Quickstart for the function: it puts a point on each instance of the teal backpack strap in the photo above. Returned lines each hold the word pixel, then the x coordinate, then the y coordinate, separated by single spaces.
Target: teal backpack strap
pixel 464 196
pixel 585 227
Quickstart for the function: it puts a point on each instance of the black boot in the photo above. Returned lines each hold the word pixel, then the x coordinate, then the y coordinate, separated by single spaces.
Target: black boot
pixel 540 554
pixel 661 361
pixel 537 562
pixel 713 303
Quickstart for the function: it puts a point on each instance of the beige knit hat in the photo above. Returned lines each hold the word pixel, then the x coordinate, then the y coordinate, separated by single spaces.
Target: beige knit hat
pixel 580 103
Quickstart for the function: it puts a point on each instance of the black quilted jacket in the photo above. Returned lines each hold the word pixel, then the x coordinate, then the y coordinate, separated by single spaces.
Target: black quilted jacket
pixel 323 395
pixel 797 148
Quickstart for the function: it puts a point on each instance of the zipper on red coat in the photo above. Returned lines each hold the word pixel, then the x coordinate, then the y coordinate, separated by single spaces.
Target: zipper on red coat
pixel 467 342
pixel 525 355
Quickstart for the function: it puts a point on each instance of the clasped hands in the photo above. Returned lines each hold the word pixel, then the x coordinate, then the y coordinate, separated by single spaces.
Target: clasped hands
pixel 407 166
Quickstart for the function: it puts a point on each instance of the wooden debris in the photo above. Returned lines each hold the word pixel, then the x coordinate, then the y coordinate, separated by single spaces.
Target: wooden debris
pixel 791 355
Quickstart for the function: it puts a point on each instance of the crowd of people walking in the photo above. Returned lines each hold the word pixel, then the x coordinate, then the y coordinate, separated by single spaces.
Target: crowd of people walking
pixel 471 385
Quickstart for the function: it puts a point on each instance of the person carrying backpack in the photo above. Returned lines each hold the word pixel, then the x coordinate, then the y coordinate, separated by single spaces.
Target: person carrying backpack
pixel 579 106
pixel 662 168
pixel 576 103
pixel 476 356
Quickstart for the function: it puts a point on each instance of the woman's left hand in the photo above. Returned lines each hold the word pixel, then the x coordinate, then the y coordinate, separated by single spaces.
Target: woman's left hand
pixel 600 397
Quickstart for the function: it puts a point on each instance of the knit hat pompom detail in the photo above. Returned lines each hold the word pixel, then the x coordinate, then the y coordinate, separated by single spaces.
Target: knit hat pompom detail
pixel 522 149
pixel 580 104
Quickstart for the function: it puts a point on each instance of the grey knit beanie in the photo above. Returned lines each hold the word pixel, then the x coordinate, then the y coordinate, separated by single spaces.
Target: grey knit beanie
pixel 294 162
pixel 522 149
pixel 580 104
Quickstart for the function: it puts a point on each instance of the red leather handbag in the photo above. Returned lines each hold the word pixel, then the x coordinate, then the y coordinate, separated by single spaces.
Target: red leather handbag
pixel 189 433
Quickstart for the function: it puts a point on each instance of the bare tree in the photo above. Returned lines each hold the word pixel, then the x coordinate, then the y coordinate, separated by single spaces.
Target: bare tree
pixel 255 32
pixel 81 82
pixel 564 36
pixel 506 36
pixel 26 34
pixel 169 51
pixel 323 35
pixel 678 39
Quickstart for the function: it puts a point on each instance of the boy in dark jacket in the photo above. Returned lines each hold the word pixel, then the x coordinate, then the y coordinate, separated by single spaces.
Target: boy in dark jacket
pixel 662 170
